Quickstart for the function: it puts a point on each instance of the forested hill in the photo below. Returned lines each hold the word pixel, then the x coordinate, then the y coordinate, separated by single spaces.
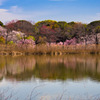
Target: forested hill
pixel 52 31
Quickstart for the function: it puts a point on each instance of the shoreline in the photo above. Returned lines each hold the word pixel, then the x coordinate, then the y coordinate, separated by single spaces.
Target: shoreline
pixel 50 50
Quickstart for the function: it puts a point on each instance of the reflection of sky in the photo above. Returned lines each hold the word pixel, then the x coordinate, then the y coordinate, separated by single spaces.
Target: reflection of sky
pixel 3 83
pixel 51 89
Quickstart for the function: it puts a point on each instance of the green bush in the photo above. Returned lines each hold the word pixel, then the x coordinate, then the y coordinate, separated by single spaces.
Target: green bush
pixel 1 24
pixel 10 42
pixel 31 37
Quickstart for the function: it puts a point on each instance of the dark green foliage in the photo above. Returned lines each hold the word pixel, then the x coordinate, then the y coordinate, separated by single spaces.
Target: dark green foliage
pixel 94 23
pixel 92 26
pixel 71 23
pixel 63 25
pixel 1 24
pixel 97 29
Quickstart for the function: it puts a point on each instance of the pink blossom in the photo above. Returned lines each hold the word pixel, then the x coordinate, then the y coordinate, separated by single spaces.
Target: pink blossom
pixel 60 43
pixel 25 42
pixel 70 42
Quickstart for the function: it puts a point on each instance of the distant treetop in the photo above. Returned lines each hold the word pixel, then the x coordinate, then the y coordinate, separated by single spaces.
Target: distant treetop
pixel 94 23
pixel 1 24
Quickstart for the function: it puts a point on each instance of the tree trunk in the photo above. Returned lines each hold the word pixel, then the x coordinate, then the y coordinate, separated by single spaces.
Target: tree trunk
pixel 63 45
pixel 6 41
pixel 96 43
pixel 85 43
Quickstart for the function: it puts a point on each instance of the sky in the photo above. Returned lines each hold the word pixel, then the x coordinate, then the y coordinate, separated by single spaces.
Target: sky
pixel 84 11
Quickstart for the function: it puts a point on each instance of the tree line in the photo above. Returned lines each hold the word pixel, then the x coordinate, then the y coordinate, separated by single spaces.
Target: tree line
pixel 52 31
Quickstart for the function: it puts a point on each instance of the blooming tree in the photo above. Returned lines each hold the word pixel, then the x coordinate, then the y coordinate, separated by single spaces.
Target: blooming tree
pixel 25 43
pixel 70 42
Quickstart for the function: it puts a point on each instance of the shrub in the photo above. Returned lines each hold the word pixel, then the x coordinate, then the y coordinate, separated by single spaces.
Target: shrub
pixel 42 40
pixel 31 37
pixel 10 42
pixel 2 40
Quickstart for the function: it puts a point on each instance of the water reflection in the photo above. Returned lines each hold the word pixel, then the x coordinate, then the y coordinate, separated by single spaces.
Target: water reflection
pixel 75 67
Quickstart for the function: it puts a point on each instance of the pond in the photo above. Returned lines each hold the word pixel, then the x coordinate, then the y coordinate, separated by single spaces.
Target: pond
pixel 69 77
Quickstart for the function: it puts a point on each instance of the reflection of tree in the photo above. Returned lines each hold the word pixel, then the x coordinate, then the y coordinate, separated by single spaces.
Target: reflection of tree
pixel 6 66
pixel 2 67
pixel 52 67
pixel 25 75
pixel 72 67
pixel 16 65
pixel 96 64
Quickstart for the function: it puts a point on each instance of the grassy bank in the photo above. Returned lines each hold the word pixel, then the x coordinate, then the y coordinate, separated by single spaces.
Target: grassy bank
pixel 49 49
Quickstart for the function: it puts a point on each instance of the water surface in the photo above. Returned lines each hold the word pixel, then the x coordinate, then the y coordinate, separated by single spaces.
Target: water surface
pixel 70 77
